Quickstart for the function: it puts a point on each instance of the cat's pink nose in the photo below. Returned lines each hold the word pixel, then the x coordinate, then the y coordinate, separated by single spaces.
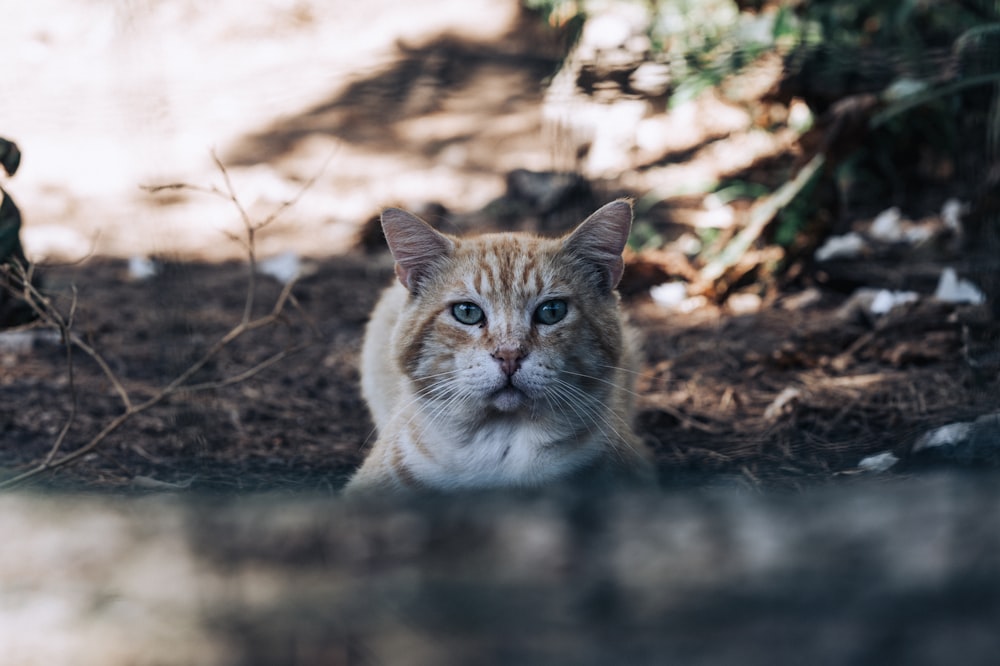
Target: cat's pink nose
pixel 509 359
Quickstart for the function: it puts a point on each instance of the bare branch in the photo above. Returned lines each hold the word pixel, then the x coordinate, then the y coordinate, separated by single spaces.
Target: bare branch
pixel 71 373
pixel 243 376
pixel 298 195
pixel 96 440
pixel 50 315
pixel 154 189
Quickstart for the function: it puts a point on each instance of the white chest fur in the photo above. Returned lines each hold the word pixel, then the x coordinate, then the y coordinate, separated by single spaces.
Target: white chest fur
pixel 499 452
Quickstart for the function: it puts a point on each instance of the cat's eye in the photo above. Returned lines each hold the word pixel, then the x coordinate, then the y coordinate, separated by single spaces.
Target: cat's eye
pixel 550 312
pixel 467 313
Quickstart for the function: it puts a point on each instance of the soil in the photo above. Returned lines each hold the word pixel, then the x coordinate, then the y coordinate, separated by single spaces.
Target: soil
pixel 711 389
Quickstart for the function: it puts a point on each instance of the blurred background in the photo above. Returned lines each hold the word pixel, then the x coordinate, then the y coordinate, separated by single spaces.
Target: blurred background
pixel 107 97
pixel 698 109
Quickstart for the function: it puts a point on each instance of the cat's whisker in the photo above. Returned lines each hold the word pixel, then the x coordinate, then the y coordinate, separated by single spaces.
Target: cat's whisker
pixel 656 380
pixel 601 414
pixel 564 401
pixel 446 404
pixel 589 419
pixel 440 396
pixel 400 410
pixel 446 373
pixel 422 394
pixel 582 405
pixel 630 371
pixel 603 381
pixel 602 422
pixel 453 394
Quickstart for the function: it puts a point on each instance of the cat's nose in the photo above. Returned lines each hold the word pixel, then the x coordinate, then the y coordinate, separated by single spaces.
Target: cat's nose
pixel 509 359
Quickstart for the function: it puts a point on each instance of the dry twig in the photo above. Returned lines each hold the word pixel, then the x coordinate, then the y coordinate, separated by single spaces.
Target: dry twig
pixel 19 277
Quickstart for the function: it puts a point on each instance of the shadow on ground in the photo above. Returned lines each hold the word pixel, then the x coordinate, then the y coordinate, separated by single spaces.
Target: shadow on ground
pixel 454 100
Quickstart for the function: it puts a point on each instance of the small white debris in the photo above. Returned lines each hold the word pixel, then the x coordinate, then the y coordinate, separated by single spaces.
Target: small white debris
pixel 952 289
pixel 714 216
pixel 952 212
pixel 915 234
pixel 802 300
pixel 22 342
pixel 886 300
pixel 669 294
pixel 903 88
pixel 888 226
pixel 878 463
pixel 715 213
pixel 949 435
pixel 859 303
pixel 142 268
pixel 965 443
pixel 848 246
pixel 17 342
pixel 744 304
pixel 149 483
pixel 692 304
pixel 283 267
pixel 800 118
pixel 783 404
pixel 688 244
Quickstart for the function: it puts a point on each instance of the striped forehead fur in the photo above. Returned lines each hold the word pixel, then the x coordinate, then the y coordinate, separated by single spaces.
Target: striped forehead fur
pixel 507 266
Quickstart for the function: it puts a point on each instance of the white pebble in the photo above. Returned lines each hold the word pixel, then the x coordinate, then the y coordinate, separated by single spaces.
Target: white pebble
pixel 952 289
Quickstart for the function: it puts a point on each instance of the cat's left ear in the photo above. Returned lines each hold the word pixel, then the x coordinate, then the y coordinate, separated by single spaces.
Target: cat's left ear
pixel 600 241
pixel 415 245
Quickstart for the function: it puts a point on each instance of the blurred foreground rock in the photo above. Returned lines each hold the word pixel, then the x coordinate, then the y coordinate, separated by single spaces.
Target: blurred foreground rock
pixel 903 571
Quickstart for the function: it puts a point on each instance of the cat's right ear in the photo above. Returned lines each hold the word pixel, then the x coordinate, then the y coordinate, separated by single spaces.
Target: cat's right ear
pixel 600 240
pixel 415 245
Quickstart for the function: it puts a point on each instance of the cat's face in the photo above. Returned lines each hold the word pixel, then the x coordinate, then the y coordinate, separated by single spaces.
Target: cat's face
pixel 510 323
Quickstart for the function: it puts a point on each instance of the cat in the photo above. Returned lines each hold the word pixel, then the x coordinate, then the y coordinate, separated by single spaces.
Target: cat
pixel 501 361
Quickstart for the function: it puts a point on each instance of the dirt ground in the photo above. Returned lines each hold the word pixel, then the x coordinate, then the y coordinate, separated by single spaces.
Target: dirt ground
pixel 795 389
pixel 301 425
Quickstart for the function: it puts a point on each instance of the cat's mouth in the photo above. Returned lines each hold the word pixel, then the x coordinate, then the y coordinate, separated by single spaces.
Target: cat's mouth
pixel 508 399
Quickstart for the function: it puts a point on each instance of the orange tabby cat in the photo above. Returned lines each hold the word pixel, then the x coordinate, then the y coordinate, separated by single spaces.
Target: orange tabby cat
pixel 501 360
